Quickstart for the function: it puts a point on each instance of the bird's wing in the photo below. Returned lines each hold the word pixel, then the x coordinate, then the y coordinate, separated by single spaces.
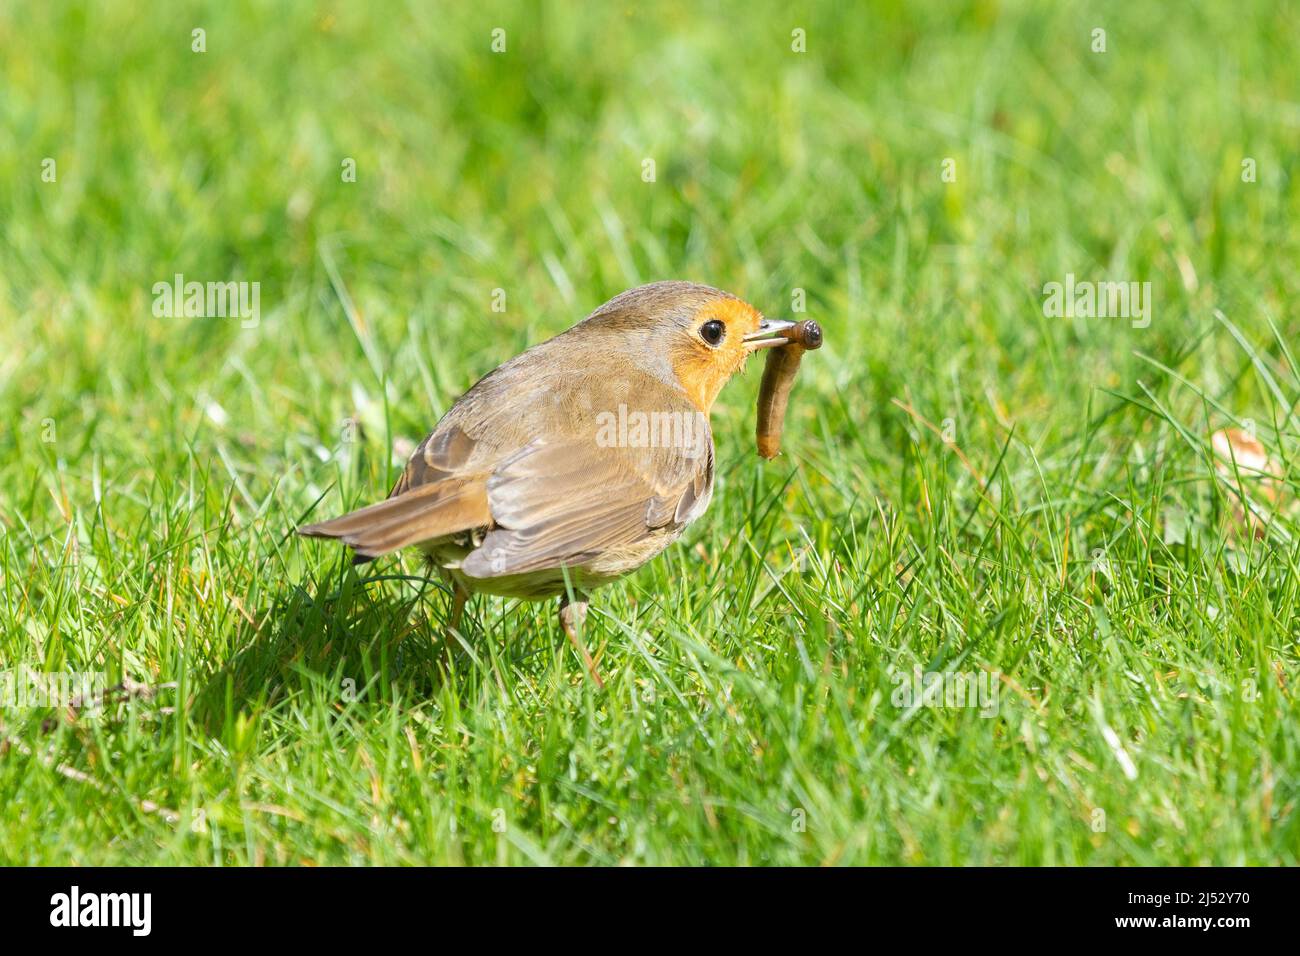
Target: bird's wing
pixel 566 502
pixel 446 453
pixel 421 514
pixel 433 498
pixel 557 500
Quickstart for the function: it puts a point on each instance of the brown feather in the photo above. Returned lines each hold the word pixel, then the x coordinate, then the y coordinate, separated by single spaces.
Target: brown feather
pixel 421 514
pixel 578 505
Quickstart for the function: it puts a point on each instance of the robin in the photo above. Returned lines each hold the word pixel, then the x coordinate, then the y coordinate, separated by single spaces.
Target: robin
pixel 575 462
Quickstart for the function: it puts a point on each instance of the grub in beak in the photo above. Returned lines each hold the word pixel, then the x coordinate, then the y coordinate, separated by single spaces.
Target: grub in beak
pixel 778 379
pixel 768 335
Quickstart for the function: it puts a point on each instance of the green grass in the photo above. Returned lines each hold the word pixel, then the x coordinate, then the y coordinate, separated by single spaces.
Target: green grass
pixel 1072 536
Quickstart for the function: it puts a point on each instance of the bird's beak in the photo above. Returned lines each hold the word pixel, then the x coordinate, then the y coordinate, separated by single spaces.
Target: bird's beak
pixel 768 335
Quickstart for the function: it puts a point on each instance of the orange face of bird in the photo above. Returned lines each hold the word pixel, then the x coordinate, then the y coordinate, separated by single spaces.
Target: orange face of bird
pixel 713 344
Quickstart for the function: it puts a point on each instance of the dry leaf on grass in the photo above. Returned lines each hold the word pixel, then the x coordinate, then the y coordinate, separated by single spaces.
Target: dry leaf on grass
pixel 1241 454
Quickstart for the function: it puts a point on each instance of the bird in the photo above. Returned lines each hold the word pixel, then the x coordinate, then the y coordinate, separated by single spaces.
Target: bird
pixel 577 461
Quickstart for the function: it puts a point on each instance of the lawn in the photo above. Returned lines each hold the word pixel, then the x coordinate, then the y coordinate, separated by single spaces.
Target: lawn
pixel 976 488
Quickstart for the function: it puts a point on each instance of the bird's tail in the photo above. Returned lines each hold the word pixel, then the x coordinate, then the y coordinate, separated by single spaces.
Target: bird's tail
pixel 420 514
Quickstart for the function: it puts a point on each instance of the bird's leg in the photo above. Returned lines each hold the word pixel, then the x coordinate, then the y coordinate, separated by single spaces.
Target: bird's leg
pixel 458 598
pixel 451 630
pixel 573 613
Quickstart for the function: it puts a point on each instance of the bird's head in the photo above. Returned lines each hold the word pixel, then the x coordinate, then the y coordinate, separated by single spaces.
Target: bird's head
pixel 699 335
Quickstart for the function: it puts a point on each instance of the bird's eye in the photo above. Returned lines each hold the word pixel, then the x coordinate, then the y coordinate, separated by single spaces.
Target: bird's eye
pixel 713 331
